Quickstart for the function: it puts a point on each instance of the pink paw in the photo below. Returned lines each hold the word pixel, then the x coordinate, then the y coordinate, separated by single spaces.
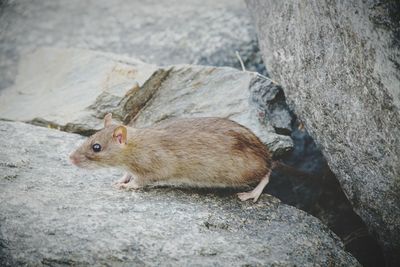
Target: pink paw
pixel 248 195
pixel 119 185
pixel 128 186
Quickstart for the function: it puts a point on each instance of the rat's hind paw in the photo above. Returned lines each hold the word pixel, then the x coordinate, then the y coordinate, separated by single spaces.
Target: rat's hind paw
pixel 248 195
pixel 255 194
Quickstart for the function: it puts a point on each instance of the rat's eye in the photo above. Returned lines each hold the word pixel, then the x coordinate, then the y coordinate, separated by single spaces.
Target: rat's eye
pixel 96 147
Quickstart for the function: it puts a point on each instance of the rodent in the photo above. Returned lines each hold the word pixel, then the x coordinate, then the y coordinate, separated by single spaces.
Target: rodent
pixel 203 152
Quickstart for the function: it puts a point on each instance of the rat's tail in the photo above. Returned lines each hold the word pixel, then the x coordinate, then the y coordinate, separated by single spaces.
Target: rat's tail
pixel 289 170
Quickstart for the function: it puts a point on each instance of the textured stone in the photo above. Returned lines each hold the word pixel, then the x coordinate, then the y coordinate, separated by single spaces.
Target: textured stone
pixel 55 214
pixel 73 89
pixel 202 32
pixel 338 62
pixel 319 193
pixel 199 91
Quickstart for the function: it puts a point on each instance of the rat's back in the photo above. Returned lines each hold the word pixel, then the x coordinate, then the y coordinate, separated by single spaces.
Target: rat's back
pixel 204 151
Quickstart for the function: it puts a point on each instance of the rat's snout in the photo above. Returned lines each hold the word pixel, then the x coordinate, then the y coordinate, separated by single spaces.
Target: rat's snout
pixel 74 159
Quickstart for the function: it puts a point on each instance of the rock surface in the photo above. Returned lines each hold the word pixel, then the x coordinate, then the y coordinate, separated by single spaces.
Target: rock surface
pixel 202 32
pixel 198 91
pixel 82 86
pixel 55 214
pixel 338 62
pixel 72 89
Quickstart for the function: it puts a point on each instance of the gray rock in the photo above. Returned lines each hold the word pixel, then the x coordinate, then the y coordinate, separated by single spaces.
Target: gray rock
pixel 55 214
pixel 72 90
pixel 199 91
pixel 339 64
pixel 203 32
pixel 273 101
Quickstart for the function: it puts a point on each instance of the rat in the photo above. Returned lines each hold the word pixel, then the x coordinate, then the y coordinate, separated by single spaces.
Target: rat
pixel 195 152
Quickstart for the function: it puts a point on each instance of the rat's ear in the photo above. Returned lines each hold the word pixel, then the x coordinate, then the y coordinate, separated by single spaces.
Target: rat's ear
pixel 120 134
pixel 107 120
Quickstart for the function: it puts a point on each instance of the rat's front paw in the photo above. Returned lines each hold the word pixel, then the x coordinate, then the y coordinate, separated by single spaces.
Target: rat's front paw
pixel 118 185
pixel 124 179
pixel 128 186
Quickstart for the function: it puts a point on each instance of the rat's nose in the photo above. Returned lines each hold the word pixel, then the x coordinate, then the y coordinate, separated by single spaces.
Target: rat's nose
pixel 74 160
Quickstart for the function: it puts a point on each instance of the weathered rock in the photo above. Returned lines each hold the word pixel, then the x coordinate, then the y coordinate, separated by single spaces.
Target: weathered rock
pixel 273 101
pixel 72 89
pixel 80 87
pixel 203 32
pixel 339 64
pixel 198 91
pixel 55 214
pixel 320 194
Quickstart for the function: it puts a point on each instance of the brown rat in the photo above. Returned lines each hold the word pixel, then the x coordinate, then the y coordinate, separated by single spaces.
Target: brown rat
pixel 204 152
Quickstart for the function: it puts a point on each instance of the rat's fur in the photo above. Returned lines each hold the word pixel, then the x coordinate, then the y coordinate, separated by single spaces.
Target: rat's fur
pixel 206 152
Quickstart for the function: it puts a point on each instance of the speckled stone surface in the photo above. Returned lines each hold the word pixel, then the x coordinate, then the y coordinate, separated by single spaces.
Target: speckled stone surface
pixel 52 213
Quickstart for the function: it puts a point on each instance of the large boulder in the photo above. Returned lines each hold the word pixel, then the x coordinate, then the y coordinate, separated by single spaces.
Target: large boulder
pixel 53 214
pixel 202 32
pixel 338 62
pixel 73 89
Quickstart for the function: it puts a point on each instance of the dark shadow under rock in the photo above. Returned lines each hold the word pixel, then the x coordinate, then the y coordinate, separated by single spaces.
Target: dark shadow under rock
pixel 320 194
